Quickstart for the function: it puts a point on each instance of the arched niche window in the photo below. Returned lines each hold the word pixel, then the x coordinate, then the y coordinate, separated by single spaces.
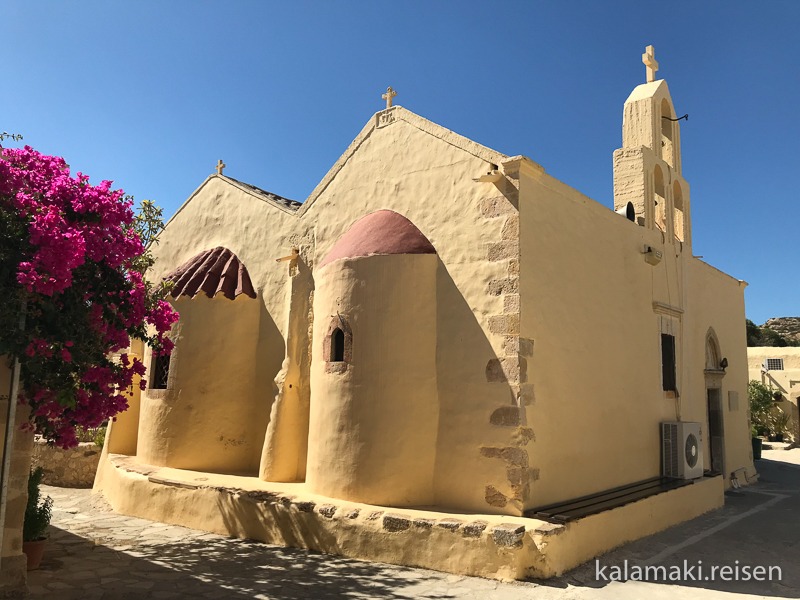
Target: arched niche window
pixel 337 349
pixel 337 345
pixel 159 371
pixel 678 218
pixel 660 199
pixel 667 134
pixel 713 354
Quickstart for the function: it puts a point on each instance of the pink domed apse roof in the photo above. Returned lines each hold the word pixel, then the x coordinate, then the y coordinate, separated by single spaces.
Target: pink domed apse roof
pixel 213 271
pixel 381 232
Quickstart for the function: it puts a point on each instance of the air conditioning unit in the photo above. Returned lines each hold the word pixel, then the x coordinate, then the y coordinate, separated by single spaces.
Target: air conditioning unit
pixel 681 450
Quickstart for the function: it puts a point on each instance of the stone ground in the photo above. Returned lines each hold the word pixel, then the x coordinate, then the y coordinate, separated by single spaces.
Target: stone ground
pixel 95 553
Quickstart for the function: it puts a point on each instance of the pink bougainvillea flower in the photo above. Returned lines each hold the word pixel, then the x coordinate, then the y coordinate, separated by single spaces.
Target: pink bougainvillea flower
pixel 78 272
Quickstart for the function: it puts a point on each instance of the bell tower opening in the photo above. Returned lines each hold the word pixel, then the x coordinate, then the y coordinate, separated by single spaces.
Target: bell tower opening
pixel 667 134
pixel 660 198
pixel 677 201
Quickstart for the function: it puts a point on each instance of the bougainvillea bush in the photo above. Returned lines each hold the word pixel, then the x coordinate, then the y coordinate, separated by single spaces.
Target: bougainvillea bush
pixel 72 262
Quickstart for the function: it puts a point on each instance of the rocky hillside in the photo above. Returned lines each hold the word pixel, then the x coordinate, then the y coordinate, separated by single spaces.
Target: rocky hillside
pixel 781 331
pixel 786 327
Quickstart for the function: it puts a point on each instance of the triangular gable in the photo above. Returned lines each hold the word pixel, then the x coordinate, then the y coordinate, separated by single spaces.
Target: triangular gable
pixel 279 202
pixel 386 118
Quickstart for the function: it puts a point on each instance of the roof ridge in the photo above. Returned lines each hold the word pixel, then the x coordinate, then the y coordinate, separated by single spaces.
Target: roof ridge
pixel 272 196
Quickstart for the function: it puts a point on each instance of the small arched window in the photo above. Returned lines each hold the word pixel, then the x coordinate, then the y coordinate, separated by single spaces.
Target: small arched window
pixel 337 345
pixel 159 371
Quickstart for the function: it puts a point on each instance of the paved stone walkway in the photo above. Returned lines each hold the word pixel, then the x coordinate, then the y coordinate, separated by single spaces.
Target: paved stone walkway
pixel 95 553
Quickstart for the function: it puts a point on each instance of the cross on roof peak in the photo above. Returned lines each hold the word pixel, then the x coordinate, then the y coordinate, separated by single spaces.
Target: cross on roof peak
pixel 220 166
pixel 649 60
pixel 388 96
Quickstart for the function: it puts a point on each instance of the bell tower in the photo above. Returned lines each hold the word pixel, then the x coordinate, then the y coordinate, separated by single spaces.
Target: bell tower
pixel 647 169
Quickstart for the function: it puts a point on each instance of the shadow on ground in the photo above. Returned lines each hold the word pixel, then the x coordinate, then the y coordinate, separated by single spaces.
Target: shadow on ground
pixel 212 568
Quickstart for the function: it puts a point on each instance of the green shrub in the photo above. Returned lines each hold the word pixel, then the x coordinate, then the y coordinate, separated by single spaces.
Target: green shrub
pixel 37 514
pixel 99 437
pixel 761 402
pixel 91 434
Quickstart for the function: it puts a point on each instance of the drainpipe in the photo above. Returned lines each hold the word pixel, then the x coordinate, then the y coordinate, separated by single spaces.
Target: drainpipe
pixel 11 416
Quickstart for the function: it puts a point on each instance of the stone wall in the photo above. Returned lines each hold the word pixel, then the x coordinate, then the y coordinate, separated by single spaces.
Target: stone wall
pixel 67 468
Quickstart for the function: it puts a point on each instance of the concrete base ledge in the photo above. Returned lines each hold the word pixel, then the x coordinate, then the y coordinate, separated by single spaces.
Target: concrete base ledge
pixel 494 546
pixel 594 535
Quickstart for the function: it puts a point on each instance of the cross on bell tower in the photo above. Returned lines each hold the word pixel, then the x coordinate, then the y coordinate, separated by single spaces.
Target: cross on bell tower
pixel 649 60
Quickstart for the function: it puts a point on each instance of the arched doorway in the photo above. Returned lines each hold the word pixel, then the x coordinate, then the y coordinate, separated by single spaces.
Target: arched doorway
pixel 715 421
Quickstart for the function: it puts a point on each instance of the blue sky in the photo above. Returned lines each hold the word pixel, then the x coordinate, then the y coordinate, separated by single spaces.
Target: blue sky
pixel 150 94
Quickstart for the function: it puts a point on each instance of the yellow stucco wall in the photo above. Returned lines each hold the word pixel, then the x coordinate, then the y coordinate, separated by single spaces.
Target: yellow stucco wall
pixel 212 416
pixel 126 424
pixel 594 310
pixel 786 380
pixel 717 302
pixel 374 426
pixel 596 382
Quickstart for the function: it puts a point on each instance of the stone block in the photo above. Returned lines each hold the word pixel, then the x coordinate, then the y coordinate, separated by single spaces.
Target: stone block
pixel 494 371
pixel 327 510
pixel 513 267
pixel 474 529
pixel 515 456
pixel 265 497
pixel 511 303
pixel 498 287
pixel 526 395
pixel 505 416
pixel 495 497
pixel 450 524
pixel 394 522
pixel 496 207
pixel 517 476
pixel 504 324
pixel 305 506
pixel 526 346
pixel 374 515
pixel 511 345
pixel 513 369
pixel 423 523
pixel 502 250
pixel 491 452
pixel 522 436
pixel 508 535
pixel 511 228
pixel 352 514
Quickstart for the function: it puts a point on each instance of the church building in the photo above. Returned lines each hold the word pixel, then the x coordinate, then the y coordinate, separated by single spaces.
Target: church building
pixel 443 357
